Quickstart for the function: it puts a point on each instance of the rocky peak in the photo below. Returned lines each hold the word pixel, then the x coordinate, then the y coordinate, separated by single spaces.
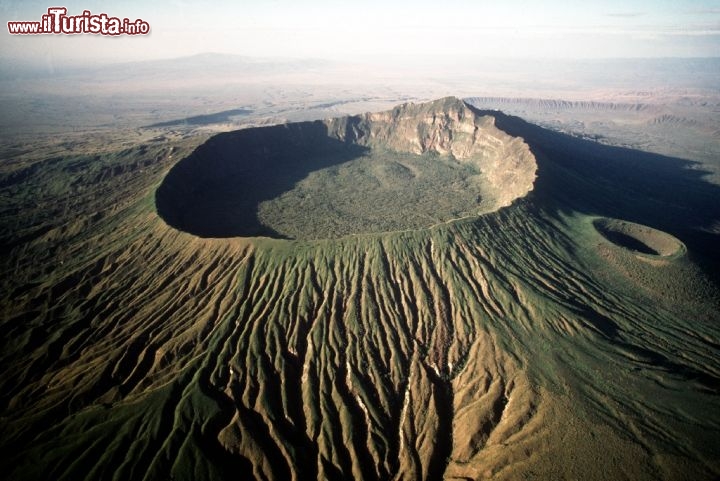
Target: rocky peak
pixel 446 126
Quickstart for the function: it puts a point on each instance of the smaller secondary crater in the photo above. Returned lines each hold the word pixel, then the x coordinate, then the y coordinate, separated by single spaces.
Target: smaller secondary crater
pixel 639 238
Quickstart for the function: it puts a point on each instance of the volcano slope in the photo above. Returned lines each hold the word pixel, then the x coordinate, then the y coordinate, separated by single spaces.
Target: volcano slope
pixel 474 297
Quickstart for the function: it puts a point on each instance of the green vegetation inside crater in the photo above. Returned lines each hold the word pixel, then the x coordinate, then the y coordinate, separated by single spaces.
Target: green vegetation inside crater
pixel 378 192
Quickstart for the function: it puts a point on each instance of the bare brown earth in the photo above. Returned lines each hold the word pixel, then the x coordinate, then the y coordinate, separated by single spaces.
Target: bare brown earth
pixel 517 344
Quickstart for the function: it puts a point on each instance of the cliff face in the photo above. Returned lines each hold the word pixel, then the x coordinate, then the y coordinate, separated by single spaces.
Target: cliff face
pixel 447 127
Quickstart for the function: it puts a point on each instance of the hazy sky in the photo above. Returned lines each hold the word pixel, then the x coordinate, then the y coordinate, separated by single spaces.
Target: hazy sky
pixel 348 29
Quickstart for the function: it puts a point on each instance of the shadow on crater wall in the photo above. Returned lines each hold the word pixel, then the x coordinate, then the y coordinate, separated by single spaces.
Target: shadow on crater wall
pixel 629 242
pixel 215 192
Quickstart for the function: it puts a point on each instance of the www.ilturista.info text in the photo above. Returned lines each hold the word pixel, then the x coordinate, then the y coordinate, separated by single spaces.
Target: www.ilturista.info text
pixel 57 21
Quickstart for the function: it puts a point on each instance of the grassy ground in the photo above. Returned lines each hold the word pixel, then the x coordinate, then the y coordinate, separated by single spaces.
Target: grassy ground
pixel 521 344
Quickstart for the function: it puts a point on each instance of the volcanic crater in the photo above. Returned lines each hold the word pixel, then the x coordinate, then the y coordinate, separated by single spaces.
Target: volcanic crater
pixel 408 168
pixel 639 238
